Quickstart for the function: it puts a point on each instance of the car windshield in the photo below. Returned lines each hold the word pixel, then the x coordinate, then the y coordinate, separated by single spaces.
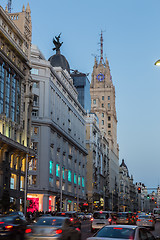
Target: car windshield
pixel 7 219
pixel 156 211
pixel 116 232
pixel 99 215
pixel 122 215
pixel 144 216
pixel 50 221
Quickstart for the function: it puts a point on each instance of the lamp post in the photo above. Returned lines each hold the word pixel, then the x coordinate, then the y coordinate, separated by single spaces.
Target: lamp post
pixel 25 186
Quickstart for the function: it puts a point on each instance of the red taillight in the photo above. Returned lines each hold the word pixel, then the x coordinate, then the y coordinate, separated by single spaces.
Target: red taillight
pixel 28 230
pixel 9 227
pixel 1 222
pixel 117 228
pixel 100 212
pixel 137 216
pixel 138 220
pixel 58 231
pixel 91 219
pixel 127 219
pixel 150 220
pixel 62 213
pixel 71 219
pixel 78 229
pixel 110 220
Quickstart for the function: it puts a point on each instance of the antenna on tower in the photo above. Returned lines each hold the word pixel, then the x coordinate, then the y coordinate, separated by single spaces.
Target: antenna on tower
pixel 9 5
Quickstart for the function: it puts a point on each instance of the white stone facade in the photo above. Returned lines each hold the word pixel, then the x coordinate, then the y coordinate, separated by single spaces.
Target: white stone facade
pixel 58 136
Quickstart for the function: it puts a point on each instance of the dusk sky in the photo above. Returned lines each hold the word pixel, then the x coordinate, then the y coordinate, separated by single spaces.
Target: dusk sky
pixel 131 32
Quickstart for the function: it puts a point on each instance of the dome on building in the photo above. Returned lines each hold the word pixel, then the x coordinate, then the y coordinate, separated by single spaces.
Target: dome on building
pixel 58 60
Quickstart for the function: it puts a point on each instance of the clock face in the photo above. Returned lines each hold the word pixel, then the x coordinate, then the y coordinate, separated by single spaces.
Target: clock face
pixel 100 77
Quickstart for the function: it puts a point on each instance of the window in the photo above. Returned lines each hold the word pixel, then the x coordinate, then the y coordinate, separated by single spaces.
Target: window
pixel 82 181
pixel 34 71
pixel 13 181
pixel 50 167
pixel 102 114
pixel 22 184
pixel 102 105
pixel 109 106
pixel 69 176
pixel 36 85
pixel 75 178
pixel 51 181
pixel 94 101
pixel 102 97
pixel 109 118
pixel 35 130
pixel 35 113
pixel 102 122
pixel 109 133
pixel 79 180
pixel 57 170
pixel 109 125
pixel 32 179
pixel 108 97
pixel 36 100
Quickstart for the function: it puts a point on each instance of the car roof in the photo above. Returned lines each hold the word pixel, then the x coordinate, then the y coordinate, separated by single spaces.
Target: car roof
pixel 122 226
pixel 55 217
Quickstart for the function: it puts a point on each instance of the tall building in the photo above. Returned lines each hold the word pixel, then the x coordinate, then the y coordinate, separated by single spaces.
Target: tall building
pixel 102 93
pixel 82 84
pixel 15 106
pixel 97 165
pixel 58 136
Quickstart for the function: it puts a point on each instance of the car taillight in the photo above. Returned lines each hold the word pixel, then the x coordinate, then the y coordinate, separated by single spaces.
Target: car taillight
pixel 58 231
pixel 117 228
pixel 28 230
pixel 110 220
pixel 127 219
pixel 150 220
pixel 78 229
pixel 138 220
pixel 91 219
pixel 71 219
pixel 1 222
pixel 8 227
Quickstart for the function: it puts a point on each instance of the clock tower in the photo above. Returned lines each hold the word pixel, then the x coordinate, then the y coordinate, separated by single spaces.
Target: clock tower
pixel 102 93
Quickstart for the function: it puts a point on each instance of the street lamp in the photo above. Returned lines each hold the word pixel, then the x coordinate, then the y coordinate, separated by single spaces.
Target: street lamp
pixel 157 63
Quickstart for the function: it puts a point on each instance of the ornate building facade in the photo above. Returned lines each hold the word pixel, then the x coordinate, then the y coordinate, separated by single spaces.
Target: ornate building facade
pixel 58 180
pixel 15 106
pixel 102 93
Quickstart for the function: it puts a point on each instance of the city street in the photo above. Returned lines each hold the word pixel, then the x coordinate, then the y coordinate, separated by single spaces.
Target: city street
pixel 86 232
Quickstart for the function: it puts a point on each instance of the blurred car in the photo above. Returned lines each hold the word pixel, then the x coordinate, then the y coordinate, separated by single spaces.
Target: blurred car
pixel 146 221
pixel 100 219
pixel 125 218
pixel 72 215
pixel 122 232
pixel 12 227
pixel 81 216
pixel 52 228
pixel 88 216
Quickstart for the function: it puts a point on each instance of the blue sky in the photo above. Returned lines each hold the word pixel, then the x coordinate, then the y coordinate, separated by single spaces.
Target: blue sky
pixel 132 45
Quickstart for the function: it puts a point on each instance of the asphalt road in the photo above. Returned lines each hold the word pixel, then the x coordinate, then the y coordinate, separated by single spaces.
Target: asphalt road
pixel 86 230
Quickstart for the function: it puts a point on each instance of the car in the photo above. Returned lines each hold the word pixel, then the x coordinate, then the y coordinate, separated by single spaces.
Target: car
pixel 125 218
pixel 146 221
pixel 73 217
pixel 81 215
pixel 88 216
pixel 12 227
pixel 100 219
pixel 122 232
pixel 52 228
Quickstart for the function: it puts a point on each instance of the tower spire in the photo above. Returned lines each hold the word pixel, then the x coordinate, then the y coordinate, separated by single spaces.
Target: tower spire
pixel 101 47
pixel 9 5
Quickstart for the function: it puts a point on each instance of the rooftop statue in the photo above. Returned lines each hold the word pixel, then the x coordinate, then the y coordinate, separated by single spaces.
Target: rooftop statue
pixel 57 43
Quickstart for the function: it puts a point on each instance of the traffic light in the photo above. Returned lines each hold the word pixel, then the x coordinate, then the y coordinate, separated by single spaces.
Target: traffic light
pixel 139 189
